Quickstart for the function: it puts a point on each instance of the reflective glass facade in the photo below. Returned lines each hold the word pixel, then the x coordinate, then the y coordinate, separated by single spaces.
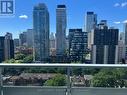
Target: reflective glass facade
pixel 41 32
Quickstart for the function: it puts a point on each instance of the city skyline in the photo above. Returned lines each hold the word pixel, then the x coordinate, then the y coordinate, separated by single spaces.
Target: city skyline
pixel 115 14
pixel 45 46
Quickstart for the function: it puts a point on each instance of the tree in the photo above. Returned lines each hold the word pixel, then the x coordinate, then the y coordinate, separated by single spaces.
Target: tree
pixel 19 61
pixel 19 56
pixel 9 61
pixel 28 59
pixel 110 78
pixel 58 80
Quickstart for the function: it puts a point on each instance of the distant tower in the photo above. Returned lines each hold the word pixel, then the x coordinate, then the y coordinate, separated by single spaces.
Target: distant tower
pixel 41 32
pixel 29 38
pixel 9 46
pixel 125 29
pixel 52 41
pixel 91 23
pixel 22 39
pixel 125 33
pixel 122 37
pixel 61 24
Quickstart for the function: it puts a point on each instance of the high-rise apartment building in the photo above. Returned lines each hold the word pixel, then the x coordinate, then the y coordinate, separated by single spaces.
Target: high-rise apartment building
pixel 67 43
pixel 61 24
pixel 29 38
pixel 91 23
pixel 105 45
pixel 41 32
pixel 121 47
pixel 52 41
pixel 8 46
pixel 16 43
pixel 22 39
pixel 77 44
pixel 122 37
pixel 121 50
pixel 2 48
pixel 26 38
pixel 102 24
pixel 125 30
pixel 52 44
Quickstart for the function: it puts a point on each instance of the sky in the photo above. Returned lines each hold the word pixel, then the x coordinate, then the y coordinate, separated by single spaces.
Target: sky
pixel 114 11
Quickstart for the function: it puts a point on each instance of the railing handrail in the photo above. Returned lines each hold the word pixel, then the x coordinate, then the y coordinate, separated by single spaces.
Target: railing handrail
pixel 64 65
pixel 49 87
pixel 62 87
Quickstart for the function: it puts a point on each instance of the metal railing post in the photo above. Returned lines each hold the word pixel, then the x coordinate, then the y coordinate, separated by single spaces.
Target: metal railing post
pixel 68 81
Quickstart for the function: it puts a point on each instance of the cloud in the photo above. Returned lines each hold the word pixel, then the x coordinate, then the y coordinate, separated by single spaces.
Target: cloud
pixel 124 4
pixel 116 5
pixel 23 17
pixel 120 22
pixel 125 21
pixel 117 22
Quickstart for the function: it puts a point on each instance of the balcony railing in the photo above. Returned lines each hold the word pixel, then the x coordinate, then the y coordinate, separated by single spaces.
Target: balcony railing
pixel 67 90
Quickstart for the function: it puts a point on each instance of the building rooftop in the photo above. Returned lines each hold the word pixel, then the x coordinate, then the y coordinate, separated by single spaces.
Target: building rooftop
pixel 89 13
pixel 40 6
pixel 61 6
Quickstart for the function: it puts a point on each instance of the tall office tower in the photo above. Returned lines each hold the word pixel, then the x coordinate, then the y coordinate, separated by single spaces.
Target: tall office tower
pixel 61 24
pixel 103 23
pixel 105 45
pixel 122 37
pixel 77 44
pixel 2 49
pixel 121 50
pixel 52 44
pixel 9 46
pixel 125 29
pixel 91 23
pixel 67 43
pixel 29 38
pixel 121 47
pixel 52 41
pixel 70 38
pixel 41 32
pixel 22 39
pixel 16 43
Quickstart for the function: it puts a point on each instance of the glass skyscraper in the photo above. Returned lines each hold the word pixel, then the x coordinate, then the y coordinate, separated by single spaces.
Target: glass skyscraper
pixel 91 23
pixel 29 41
pixel 125 29
pixel 41 33
pixel 61 25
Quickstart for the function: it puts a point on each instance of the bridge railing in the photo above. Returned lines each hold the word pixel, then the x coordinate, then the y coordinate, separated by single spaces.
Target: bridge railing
pixel 67 90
